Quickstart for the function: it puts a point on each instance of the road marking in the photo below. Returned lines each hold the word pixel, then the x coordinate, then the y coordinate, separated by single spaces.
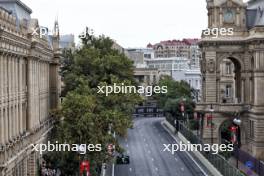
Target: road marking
pixel 176 159
pixel 156 169
pixel 182 169
pixel 130 169
pixel 113 169
pixel 185 151
pixel 152 159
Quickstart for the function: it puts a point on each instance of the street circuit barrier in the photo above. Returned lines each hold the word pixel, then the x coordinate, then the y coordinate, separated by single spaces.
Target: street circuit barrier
pixel 218 161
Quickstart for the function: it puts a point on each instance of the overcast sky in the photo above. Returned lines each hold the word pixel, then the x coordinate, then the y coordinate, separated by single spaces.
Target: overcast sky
pixel 132 23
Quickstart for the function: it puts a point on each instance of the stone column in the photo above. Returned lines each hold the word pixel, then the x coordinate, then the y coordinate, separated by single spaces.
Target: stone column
pixel 7 132
pixel 38 98
pixel 16 97
pixel 32 117
pixel 29 68
pixel 13 109
pixel 48 90
pixel 1 100
pixel 247 76
pixel 247 89
pixel 221 18
pixel 242 90
pixel 10 81
pixel 257 110
pixel 13 104
pixel 4 97
pixel 251 90
pixel 20 88
pixel 259 79
pixel 210 77
pixel 218 88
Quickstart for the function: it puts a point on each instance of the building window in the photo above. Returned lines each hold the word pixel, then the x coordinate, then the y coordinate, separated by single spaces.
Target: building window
pixel 148 56
pixel 228 91
pixel 251 129
pixel 228 68
pixel 154 79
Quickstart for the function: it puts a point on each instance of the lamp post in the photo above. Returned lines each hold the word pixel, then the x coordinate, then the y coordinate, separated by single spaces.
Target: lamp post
pixel 182 107
pixel 176 125
pixel 196 117
pixel 237 122
pixel 212 129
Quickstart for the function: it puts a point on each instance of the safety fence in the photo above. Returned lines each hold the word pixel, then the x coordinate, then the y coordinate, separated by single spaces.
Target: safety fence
pixel 218 161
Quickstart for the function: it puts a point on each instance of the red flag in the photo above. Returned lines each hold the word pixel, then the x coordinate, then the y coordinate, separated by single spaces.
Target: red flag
pixel 85 167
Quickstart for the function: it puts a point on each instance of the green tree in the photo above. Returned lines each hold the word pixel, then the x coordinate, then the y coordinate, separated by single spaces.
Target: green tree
pixel 178 92
pixel 86 116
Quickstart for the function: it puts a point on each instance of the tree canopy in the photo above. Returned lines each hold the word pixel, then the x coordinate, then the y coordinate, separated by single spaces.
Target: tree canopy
pixel 86 116
pixel 178 92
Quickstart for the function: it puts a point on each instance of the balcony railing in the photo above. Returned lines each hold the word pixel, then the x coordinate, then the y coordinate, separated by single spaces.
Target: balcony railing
pixel 223 107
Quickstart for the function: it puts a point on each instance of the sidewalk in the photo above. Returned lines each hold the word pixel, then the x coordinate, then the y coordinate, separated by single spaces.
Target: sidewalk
pixel 242 167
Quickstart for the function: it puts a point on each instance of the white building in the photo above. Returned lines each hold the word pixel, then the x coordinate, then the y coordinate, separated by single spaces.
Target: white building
pixel 193 78
pixel 138 56
pixel 180 69
pixel 173 66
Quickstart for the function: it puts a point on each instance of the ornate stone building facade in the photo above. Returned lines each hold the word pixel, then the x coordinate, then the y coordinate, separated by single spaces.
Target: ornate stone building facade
pixel 29 88
pixel 245 50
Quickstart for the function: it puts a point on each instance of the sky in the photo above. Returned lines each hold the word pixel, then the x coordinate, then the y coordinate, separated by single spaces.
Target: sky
pixel 131 23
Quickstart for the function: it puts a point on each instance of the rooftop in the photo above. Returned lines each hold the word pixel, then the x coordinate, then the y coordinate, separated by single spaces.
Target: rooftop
pixel 255 13
pixel 174 42
pixel 24 6
pixel 167 59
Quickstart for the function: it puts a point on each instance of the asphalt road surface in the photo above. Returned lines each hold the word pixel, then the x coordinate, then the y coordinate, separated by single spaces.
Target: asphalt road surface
pixel 144 145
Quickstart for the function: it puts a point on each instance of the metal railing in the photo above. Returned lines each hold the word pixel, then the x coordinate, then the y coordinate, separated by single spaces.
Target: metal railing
pixel 218 161
pixel 244 157
pixel 148 111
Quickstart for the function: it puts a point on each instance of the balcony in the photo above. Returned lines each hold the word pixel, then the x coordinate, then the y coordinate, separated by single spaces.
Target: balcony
pixel 223 107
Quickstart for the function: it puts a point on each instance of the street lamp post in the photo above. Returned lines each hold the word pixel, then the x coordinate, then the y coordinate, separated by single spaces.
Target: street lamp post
pixel 182 109
pixel 237 122
pixel 196 117
pixel 212 129
pixel 175 124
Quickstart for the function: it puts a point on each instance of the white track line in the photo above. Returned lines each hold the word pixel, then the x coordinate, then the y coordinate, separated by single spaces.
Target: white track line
pixel 185 151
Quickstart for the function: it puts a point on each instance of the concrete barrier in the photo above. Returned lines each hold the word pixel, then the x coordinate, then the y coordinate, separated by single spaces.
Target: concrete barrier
pixel 198 155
